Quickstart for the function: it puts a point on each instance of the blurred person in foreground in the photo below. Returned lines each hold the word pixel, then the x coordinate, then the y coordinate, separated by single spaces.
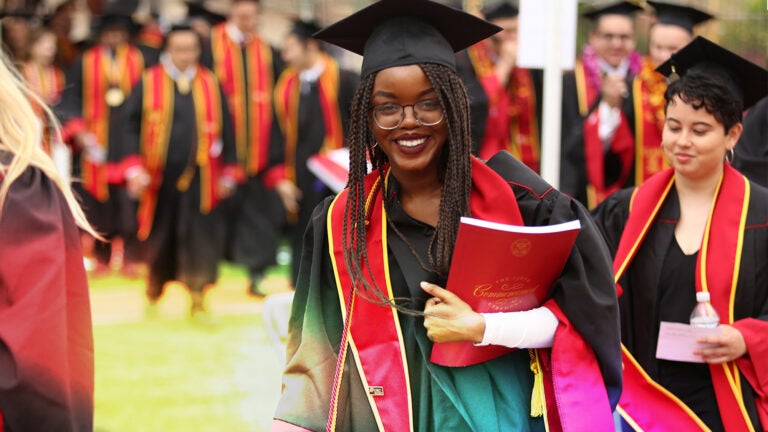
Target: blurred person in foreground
pixel 312 101
pixel 177 149
pixel 697 226
pixel 597 144
pixel 368 304
pixel 672 30
pixel 46 342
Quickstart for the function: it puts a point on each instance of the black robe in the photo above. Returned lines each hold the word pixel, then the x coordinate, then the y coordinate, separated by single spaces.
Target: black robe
pixel 641 305
pixel 751 153
pixel 311 133
pixel 585 291
pixel 46 339
pixel 184 244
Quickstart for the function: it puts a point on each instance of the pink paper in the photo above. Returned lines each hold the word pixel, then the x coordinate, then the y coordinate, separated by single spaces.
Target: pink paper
pixel 677 341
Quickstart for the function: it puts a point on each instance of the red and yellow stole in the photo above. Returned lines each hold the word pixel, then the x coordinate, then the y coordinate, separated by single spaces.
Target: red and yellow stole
pixel 389 387
pixel 524 124
pixel 512 123
pixel 287 93
pixel 47 83
pixel 648 91
pixel 157 120
pixel 622 144
pixel 644 403
pixel 99 74
pixel 249 97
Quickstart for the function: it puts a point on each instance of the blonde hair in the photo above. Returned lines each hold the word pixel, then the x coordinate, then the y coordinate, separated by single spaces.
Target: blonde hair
pixel 20 135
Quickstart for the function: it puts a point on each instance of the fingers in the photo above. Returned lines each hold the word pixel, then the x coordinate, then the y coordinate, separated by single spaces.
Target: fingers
pixel 440 293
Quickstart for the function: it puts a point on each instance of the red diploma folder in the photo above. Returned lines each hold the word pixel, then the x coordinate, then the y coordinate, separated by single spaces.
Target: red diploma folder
pixel 502 268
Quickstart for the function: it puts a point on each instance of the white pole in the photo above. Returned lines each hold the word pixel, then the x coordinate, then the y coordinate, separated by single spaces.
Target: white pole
pixel 553 91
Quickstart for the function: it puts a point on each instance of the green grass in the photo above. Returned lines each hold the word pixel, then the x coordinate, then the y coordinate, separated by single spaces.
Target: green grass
pixel 170 374
pixel 179 376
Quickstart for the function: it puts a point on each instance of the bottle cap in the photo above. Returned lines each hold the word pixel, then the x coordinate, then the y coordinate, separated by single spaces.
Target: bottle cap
pixel 702 296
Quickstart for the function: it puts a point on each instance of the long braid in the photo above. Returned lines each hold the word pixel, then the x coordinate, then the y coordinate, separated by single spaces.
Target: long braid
pixel 455 173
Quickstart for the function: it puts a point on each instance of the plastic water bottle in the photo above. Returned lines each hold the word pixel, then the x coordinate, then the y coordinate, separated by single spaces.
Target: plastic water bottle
pixel 704 315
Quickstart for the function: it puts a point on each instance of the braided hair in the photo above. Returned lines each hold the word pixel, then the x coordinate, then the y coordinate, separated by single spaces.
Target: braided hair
pixel 454 171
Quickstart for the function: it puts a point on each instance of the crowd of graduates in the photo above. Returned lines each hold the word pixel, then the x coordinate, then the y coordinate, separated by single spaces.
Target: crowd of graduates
pixel 187 144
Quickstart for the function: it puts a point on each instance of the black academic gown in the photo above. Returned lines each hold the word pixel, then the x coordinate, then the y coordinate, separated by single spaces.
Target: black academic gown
pixel 311 133
pixel 751 153
pixel 46 341
pixel 316 325
pixel 573 171
pixel 641 306
pixel 184 244
pixel 254 212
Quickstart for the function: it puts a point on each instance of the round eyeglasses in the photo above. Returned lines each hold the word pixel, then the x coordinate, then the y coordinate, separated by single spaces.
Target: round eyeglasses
pixel 389 116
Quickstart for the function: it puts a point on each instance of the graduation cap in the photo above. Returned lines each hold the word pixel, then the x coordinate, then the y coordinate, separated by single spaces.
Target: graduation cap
pixel 198 9
pixel 501 10
pixel 680 16
pixel 116 21
pixel 392 33
pixel 625 8
pixel 304 29
pixel 706 56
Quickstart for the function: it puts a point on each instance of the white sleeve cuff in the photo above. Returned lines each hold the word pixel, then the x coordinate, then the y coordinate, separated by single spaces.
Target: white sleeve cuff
pixel 530 329
pixel 610 118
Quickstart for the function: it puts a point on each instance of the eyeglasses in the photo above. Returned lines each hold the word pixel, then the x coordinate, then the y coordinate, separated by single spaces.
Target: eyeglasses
pixel 390 116
pixel 608 37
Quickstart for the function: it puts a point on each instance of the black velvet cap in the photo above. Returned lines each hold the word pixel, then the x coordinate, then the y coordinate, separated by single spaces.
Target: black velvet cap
pixel 392 33
pixel 116 21
pixel 304 29
pixel 198 9
pixel 501 10
pixel 681 16
pixel 704 55
pixel 625 8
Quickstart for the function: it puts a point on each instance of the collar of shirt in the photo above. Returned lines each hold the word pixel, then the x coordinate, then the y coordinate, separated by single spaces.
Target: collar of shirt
pixel 622 69
pixel 173 71
pixel 311 75
pixel 234 33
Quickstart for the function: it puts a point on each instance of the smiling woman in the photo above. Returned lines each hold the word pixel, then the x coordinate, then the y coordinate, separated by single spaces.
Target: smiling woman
pixel 696 226
pixel 359 346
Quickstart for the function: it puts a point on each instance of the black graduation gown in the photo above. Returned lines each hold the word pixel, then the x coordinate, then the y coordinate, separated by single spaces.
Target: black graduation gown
pixel 184 244
pixel 311 133
pixel 640 304
pixel 46 340
pixel 585 291
pixel 751 153
pixel 573 165
pixel 254 214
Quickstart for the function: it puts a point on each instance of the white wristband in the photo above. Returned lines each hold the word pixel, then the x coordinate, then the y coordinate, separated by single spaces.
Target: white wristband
pixel 530 329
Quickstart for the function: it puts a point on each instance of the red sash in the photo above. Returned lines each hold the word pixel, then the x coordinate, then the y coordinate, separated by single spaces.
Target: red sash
pixel 157 118
pixel 496 136
pixel 523 118
pixel 648 90
pixel 594 156
pixel 374 349
pixel 98 76
pixel 644 403
pixel 251 110
pixel 287 109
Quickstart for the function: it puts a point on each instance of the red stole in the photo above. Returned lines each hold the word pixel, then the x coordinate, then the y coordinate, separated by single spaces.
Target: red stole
pixel 249 97
pixel 157 118
pixel 648 90
pixel 594 156
pixel 47 83
pixel 287 109
pixel 99 74
pixel 511 123
pixel 645 403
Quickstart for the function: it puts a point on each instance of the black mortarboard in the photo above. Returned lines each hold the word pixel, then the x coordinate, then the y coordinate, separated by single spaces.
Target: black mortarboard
pixel 501 10
pixel 626 8
pixel 403 32
pixel 304 29
pixel 116 20
pixel 705 55
pixel 198 9
pixel 680 16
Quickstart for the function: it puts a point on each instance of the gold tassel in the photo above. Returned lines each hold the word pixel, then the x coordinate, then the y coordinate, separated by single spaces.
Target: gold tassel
pixel 182 184
pixel 537 394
